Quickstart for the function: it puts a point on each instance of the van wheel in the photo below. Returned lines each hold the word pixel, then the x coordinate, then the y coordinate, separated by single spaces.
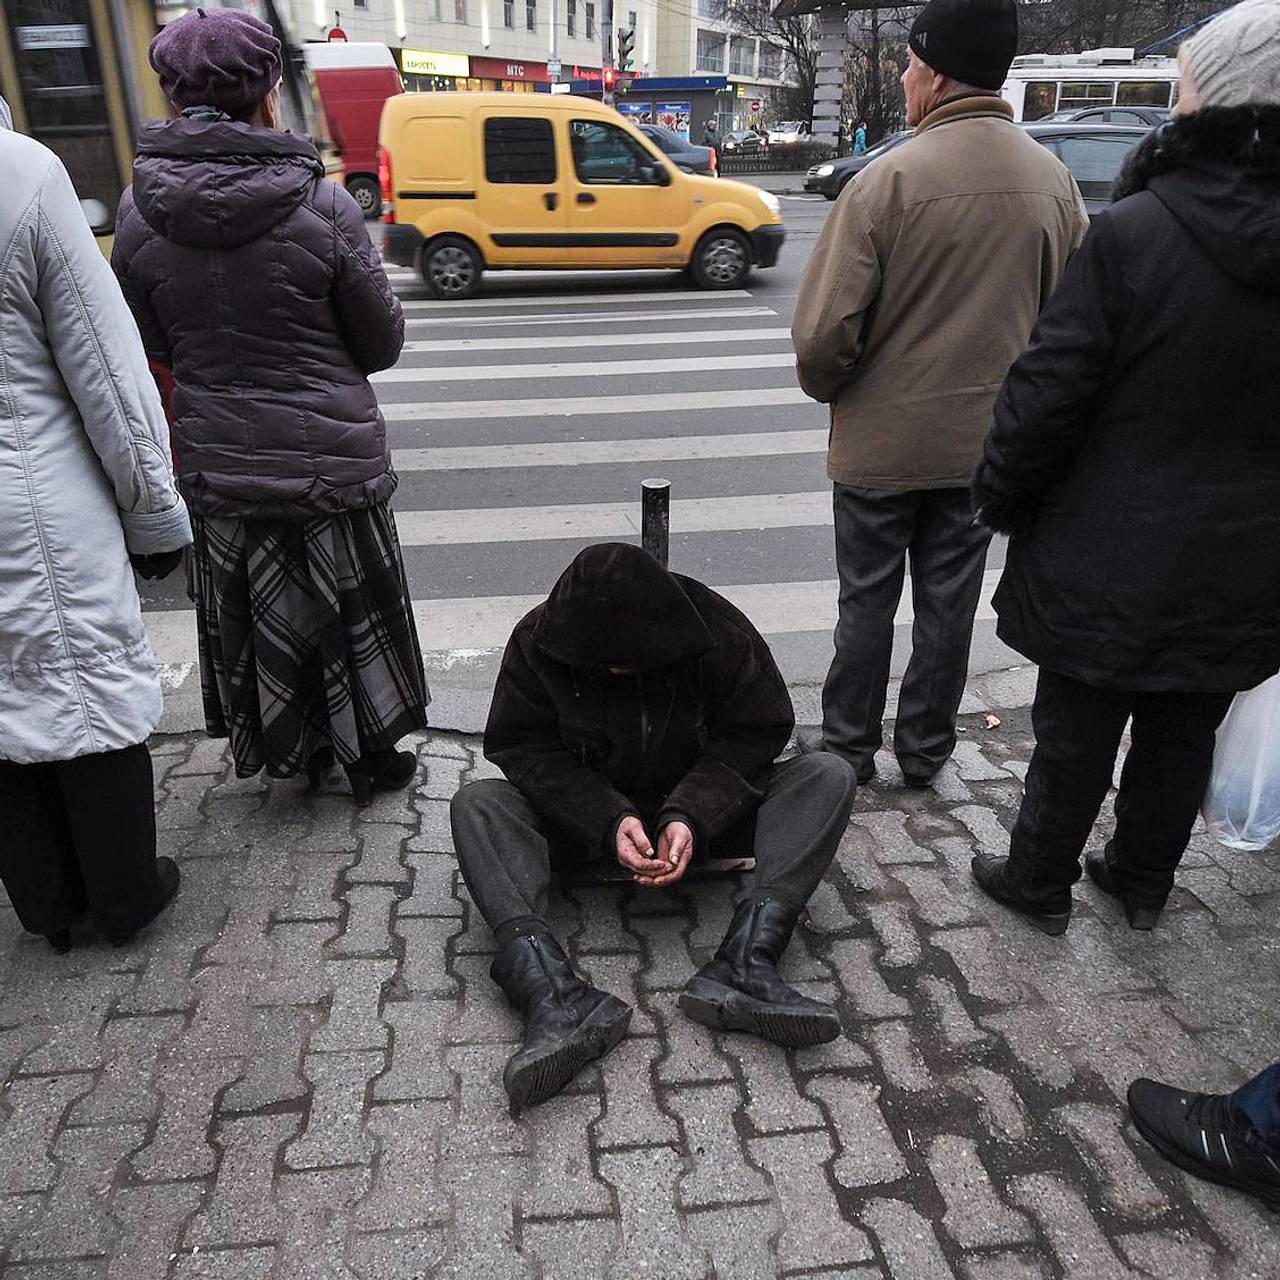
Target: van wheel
pixel 451 268
pixel 367 194
pixel 722 260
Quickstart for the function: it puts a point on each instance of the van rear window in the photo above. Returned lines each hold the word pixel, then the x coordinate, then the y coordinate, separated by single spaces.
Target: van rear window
pixel 519 149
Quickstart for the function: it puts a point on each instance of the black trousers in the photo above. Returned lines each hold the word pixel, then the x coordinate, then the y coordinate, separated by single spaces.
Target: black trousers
pixel 79 835
pixel 1078 728
pixel 877 531
pixel 505 848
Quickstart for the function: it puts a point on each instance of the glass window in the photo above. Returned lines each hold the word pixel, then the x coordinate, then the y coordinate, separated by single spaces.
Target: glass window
pixel 708 8
pixel 519 150
pixel 591 20
pixel 437 11
pixel 710 51
pixel 770 62
pixel 1039 99
pixel 1094 160
pixel 631 20
pixel 1087 93
pixel 509 14
pixel 742 56
pixel 603 153
pixel 571 17
pixel 460 11
pixel 531 15
pixel 1144 93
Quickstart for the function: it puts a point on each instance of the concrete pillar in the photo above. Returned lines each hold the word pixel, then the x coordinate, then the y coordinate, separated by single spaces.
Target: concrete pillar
pixel 828 92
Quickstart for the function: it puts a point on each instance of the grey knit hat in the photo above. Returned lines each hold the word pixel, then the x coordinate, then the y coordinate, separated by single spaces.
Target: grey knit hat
pixel 217 58
pixel 1235 59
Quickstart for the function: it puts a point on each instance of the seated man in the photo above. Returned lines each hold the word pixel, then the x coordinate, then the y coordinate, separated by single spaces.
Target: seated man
pixel 637 716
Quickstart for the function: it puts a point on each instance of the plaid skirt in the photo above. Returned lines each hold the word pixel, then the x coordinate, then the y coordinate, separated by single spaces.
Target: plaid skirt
pixel 307 639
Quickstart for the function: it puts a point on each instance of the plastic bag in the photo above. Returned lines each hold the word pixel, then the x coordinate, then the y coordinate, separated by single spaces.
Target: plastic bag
pixel 1242 804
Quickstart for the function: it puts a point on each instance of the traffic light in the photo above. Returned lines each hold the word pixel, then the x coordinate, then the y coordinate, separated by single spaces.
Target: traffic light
pixel 610 78
pixel 626 47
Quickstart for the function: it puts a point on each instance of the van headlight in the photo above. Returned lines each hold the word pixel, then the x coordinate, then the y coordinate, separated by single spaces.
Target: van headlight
pixel 771 202
pixel 823 171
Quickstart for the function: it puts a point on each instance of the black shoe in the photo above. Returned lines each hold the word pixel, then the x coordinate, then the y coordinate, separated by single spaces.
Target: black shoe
pixel 59 940
pixel 567 1023
pixel 741 990
pixel 1206 1135
pixel 320 763
pixel 918 781
pixel 170 877
pixel 1100 872
pixel 380 771
pixel 1049 915
pixel 809 741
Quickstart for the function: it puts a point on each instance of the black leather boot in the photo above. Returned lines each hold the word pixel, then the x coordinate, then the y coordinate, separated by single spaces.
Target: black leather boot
pixel 380 771
pixel 1097 863
pixel 1050 914
pixel 741 989
pixel 567 1023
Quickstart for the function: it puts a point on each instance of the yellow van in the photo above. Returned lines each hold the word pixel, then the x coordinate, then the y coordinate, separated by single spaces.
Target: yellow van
pixel 500 182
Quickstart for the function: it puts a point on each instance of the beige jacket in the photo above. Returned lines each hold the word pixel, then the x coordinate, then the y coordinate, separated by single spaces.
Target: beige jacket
pixel 923 289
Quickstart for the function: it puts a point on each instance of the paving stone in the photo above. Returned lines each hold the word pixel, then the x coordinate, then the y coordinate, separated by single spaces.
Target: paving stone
pixel 826 912
pixel 484 1014
pixel 407 1192
pixel 367 931
pixel 856 858
pixel 418 1067
pixel 316 888
pixel 316 1206
pixel 381 850
pixel 841 1054
pixel 738 1239
pixel 973 766
pixel 333 825
pixel 774 1104
pixel 713 911
pixel 976 1217
pixel 1005 1266
pixel 899 1058
pixel 1033 1036
pixel 898 938
pixel 424 970
pixel 632 1117
pixel 476 937
pixel 188 1082
pixel 130 1047
pixel 619 974
pixel 868 1153
pixel 854 960
pixel 952 1018
pixel 207 756
pixel 225 1264
pixel 354 1021
pixel 241 1208
pixel 433 886
pixel 984 964
pixel 889 839
pixel 936 900
pixel 221 1020
pixel 179 801
pixel 334 1134
pixel 273 1070
pixel 397 1255
pixel 668 962
pixel 1169 1253
pixel 692 1053
pixel 988 833
pixel 298 974
pixel 1078 1244
pixel 908 1242
pixel 562 1182
pixel 652 1240
pixel 63 1269
pixel 576 1249
pixel 150 1220
pixel 484 1124
pixel 484 1237
pixel 815 1234
pixel 1096 1132
pixel 1003 1112
pixel 72 1016
pixel 720 1173
pixel 1247 1229
pixel 442 776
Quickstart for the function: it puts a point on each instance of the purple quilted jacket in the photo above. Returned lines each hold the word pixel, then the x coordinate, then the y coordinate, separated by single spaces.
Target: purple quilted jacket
pixel 254 280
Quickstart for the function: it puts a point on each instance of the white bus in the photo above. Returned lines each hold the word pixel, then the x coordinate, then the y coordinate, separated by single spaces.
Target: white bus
pixel 1041 83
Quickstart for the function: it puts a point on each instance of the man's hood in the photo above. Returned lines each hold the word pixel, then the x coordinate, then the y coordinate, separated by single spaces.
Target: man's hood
pixel 615 606
pixel 1218 172
pixel 219 184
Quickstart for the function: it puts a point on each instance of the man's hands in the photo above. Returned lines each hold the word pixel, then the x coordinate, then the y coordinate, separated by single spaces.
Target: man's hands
pixel 636 853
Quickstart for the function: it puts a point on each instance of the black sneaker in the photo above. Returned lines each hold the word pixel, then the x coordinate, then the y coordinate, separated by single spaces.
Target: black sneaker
pixel 1049 915
pixel 1206 1135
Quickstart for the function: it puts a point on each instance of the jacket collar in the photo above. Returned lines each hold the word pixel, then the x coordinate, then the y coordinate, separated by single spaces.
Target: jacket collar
pixel 969 106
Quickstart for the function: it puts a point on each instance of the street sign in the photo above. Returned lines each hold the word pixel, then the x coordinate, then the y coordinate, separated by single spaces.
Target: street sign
pixel 756 106
pixel 553 68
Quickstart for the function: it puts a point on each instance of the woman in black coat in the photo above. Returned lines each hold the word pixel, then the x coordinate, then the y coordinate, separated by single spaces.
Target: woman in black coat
pixel 1135 462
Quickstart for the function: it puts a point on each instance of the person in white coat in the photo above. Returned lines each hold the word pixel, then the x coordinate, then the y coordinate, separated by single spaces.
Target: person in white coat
pixel 86 495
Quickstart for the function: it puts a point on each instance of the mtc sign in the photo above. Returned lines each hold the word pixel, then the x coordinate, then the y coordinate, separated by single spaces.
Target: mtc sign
pixel 502 69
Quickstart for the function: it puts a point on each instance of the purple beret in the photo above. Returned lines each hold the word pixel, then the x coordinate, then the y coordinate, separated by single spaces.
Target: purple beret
pixel 216 57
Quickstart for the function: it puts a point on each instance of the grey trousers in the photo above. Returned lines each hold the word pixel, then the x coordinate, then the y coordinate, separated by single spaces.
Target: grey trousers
pixel 876 531
pixel 505 848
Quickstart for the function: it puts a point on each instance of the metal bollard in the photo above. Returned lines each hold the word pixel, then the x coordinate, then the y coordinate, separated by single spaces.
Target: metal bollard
pixel 655 519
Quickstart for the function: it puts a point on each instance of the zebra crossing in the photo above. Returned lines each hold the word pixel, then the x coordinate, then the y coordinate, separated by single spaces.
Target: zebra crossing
pixel 521 424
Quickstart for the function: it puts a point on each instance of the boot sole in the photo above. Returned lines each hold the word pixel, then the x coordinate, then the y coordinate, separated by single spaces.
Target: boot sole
pixel 725 1009
pixel 541 1078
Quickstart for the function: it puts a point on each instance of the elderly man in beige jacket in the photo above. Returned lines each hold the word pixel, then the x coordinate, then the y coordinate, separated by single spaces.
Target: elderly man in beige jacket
pixel 922 290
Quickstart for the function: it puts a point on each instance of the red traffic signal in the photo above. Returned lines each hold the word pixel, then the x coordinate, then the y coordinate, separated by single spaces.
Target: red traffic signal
pixel 610 77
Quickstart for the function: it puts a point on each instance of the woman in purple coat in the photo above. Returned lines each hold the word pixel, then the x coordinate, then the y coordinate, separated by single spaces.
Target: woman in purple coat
pixel 253 279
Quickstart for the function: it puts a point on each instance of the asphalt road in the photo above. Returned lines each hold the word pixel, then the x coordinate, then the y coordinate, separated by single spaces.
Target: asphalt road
pixel 522 424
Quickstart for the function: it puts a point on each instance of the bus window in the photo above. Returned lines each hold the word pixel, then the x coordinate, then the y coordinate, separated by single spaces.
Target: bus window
pixel 1144 93
pixel 1041 98
pixel 63 94
pixel 1087 93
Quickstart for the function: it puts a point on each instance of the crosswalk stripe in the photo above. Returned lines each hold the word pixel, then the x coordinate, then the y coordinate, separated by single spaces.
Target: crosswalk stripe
pixel 435 411
pixel 575 453
pixel 597 520
pixel 660 296
pixel 695 336
pixel 630 316
pixel 581 368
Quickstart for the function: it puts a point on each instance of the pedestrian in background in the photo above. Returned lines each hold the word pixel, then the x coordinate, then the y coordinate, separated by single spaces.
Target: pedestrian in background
pixel 1135 459
pixel 860 139
pixel 253 279
pixel 711 138
pixel 921 292
pixel 86 490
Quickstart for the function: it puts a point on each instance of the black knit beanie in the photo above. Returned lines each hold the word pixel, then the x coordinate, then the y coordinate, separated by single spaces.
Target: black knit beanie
pixel 972 41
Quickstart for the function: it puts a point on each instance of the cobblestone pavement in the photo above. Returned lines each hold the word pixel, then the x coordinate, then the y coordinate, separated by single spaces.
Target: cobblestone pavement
pixel 298 1074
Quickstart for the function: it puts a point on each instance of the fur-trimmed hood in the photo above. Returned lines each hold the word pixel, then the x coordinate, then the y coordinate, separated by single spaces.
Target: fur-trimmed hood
pixel 1217 171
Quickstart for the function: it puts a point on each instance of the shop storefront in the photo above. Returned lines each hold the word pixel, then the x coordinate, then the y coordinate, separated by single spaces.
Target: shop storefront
pixel 428 71
pixel 511 76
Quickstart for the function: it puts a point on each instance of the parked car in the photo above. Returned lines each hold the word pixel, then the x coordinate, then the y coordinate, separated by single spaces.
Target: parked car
pixel 1093 152
pixel 743 142
pixel 831 176
pixel 789 131
pixel 1108 115
pixel 475 182
pixel 684 155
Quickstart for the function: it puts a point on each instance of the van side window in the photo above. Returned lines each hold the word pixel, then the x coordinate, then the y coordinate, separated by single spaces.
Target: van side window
pixel 603 153
pixel 519 149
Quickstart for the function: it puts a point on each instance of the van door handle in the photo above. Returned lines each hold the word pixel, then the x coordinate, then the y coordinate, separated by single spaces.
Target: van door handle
pixel 550 199
pixel 585 197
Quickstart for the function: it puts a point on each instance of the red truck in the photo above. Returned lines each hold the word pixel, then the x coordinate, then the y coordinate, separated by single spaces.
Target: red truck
pixel 354 80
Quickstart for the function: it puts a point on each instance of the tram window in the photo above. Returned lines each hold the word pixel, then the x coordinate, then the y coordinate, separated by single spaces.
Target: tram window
pixel 60 78
pixel 1087 93
pixel 1144 93
pixel 1041 97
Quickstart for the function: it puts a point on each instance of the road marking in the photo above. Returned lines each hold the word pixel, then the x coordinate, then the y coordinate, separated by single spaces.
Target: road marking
pixel 575 453
pixel 581 368
pixel 659 296
pixel 664 339
pixel 446 411
pixel 579 317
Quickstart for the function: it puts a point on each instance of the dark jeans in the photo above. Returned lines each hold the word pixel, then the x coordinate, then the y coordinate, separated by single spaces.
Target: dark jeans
pixel 1078 728
pixel 79 835
pixel 877 531
pixel 1259 1099
pixel 506 856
